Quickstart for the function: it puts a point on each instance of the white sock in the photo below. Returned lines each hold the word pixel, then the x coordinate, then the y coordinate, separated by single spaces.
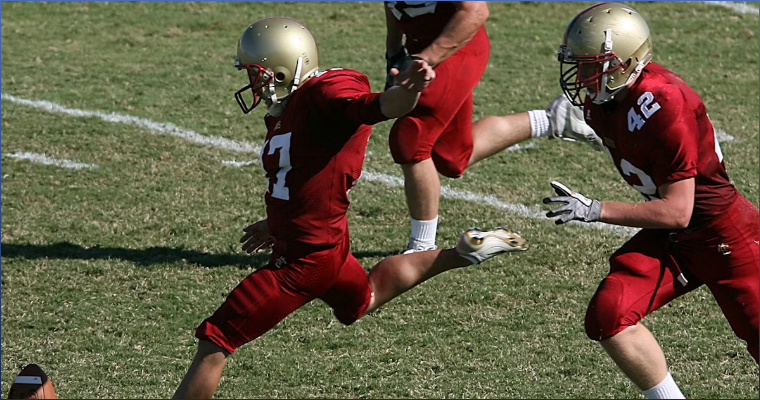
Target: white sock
pixel 667 389
pixel 424 231
pixel 539 123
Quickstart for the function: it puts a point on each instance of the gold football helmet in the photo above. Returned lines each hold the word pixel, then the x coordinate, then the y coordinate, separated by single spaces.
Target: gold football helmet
pixel 278 54
pixel 604 50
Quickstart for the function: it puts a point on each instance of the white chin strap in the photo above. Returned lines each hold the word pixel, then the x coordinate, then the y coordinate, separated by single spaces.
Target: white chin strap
pixel 275 106
pixel 604 95
pixel 640 66
pixel 272 93
pixel 297 78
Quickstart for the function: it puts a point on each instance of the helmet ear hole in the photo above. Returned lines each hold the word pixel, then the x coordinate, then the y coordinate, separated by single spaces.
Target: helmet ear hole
pixel 279 77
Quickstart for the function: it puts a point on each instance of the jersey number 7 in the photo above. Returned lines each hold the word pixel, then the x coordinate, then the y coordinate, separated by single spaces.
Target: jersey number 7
pixel 277 188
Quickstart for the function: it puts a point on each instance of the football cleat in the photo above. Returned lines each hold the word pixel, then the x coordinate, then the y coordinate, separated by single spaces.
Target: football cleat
pixel 476 245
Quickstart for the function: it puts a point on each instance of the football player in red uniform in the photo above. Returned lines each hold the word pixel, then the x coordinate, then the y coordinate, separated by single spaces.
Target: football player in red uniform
pixel 697 228
pixel 318 125
pixel 438 136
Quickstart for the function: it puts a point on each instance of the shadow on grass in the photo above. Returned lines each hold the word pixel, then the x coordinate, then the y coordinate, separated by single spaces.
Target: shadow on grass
pixel 145 257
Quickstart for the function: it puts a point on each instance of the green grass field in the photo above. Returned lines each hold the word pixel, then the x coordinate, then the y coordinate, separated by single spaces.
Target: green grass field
pixel 106 271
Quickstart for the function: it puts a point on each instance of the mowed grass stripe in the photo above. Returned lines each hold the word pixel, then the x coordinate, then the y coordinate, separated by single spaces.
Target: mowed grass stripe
pixel 240 146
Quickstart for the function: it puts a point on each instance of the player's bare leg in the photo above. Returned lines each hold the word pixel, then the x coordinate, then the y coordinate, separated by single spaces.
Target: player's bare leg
pixel 204 374
pixel 493 134
pixel 636 351
pixel 396 275
pixel 422 187
pixel 561 120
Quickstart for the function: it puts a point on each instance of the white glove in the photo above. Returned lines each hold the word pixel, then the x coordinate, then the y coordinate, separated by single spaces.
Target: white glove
pixel 575 205
pixel 567 123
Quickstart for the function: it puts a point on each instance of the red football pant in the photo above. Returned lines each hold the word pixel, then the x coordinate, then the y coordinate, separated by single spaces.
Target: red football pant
pixel 440 127
pixel 642 275
pixel 270 294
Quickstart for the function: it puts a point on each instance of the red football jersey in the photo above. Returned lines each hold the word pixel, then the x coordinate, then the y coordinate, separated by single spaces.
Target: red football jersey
pixel 313 154
pixel 421 21
pixel 661 133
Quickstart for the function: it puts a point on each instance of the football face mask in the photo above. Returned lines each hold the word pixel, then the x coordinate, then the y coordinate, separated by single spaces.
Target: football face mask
pixel 589 72
pixel 259 78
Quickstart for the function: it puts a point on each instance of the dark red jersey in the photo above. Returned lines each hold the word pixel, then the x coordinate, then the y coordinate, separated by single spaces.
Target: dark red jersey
pixel 661 133
pixel 314 153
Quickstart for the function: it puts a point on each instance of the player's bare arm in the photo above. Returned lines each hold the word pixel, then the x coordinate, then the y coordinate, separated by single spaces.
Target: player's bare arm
pixel 470 16
pixel 399 100
pixel 672 211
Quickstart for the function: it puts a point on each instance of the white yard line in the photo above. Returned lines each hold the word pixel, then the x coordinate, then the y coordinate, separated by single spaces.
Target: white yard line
pixel 245 147
pixel 238 164
pixel 739 7
pixel 44 159
pixel 723 136
pixel 518 209
pixel 160 128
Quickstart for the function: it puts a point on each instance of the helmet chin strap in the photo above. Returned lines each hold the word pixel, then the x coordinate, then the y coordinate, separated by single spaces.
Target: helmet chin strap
pixel 609 95
pixel 272 93
pixel 275 106
pixel 297 78
pixel 604 96
pixel 640 66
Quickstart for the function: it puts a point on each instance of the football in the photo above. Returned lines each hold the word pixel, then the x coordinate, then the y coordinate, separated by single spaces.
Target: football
pixel 32 383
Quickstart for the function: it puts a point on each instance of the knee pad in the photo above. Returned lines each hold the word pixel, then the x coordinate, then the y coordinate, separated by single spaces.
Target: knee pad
pixel 604 318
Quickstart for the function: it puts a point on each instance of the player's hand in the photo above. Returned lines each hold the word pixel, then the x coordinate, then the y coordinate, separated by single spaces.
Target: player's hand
pixel 567 123
pixel 397 61
pixel 416 76
pixel 256 238
pixel 576 206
